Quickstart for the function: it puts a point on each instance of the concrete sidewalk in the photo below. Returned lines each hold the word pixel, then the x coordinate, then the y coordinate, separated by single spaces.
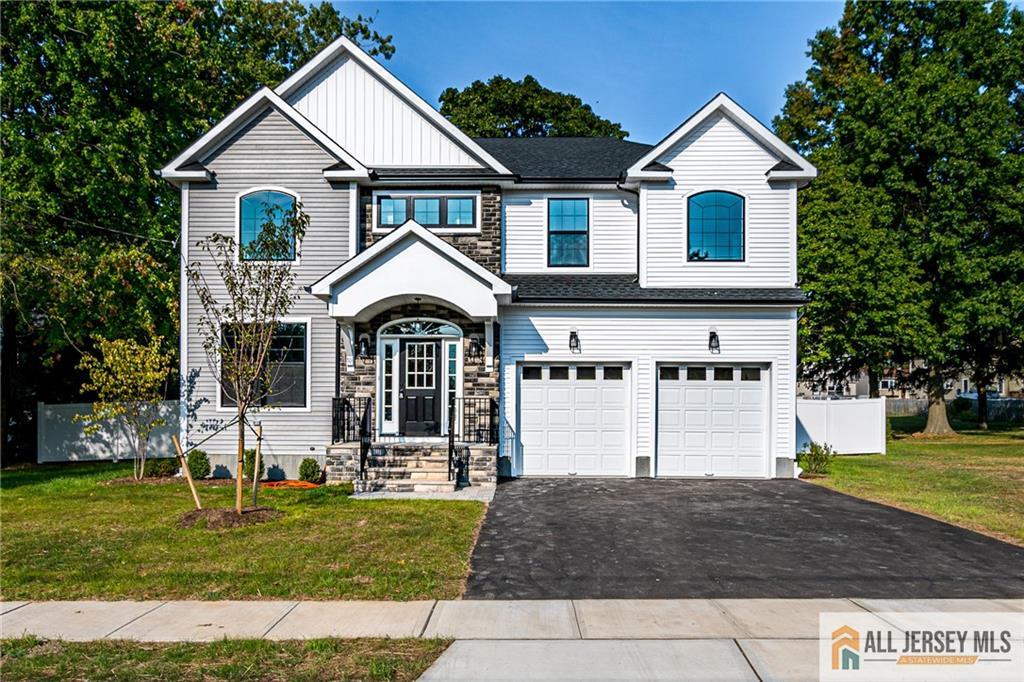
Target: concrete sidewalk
pixel 553 639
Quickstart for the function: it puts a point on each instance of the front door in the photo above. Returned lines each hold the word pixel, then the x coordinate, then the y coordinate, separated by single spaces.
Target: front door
pixel 420 388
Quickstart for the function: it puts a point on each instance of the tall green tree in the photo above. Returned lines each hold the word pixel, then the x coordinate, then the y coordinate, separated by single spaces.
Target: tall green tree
pixel 502 107
pixel 95 96
pixel 919 109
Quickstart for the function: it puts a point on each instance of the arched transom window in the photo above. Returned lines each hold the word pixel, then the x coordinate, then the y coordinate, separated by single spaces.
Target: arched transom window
pixel 263 231
pixel 714 229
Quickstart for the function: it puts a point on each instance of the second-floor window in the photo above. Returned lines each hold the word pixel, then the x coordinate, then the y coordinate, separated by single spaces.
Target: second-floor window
pixel 714 230
pixel 441 211
pixel 568 232
pixel 264 231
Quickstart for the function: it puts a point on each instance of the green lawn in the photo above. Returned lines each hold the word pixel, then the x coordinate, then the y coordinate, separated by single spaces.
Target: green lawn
pixel 974 479
pixel 322 659
pixel 68 534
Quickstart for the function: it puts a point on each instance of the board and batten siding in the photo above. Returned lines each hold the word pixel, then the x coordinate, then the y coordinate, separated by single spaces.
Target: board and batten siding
pixel 612 231
pixel 644 337
pixel 372 122
pixel 271 151
pixel 719 155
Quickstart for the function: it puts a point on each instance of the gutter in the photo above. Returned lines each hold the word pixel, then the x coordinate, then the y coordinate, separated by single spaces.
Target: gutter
pixel 635 192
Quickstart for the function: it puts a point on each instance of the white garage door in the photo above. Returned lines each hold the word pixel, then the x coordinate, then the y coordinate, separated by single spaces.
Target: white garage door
pixel 711 421
pixel 572 419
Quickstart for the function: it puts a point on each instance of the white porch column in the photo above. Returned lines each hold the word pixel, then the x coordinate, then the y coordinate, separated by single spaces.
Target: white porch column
pixel 348 331
pixel 489 344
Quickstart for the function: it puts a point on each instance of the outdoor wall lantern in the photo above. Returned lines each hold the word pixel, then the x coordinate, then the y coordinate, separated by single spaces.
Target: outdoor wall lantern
pixel 574 340
pixel 476 349
pixel 364 346
pixel 713 344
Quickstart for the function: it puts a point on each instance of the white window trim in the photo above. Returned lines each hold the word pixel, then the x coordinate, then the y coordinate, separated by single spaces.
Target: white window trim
pixel 389 425
pixel 413 193
pixel 746 228
pixel 568 269
pixel 308 321
pixel 238 221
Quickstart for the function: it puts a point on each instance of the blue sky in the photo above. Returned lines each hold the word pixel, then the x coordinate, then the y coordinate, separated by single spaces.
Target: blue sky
pixel 645 65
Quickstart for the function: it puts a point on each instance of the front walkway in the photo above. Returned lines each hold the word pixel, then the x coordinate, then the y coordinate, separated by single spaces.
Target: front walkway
pixel 556 639
pixel 588 538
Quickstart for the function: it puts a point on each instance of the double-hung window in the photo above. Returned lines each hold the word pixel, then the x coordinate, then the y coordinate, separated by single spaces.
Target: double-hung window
pixel 265 231
pixel 283 382
pixel 568 232
pixel 434 211
pixel 714 230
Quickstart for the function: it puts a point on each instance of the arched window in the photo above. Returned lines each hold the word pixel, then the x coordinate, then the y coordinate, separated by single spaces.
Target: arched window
pixel 263 231
pixel 714 228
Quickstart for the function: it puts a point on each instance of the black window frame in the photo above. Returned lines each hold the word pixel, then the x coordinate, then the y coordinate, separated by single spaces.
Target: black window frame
pixel 227 401
pixel 743 228
pixel 551 233
pixel 442 215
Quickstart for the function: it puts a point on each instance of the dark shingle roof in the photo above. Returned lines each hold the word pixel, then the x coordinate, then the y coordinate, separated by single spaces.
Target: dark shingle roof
pixel 340 166
pixel 564 158
pixel 389 173
pixel 625 288
pixel 784 166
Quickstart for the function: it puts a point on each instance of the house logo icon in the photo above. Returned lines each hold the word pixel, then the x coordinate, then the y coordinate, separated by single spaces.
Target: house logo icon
pixel 845 649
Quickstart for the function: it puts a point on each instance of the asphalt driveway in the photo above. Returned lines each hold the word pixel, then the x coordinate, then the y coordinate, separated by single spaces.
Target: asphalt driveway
pixel 643 538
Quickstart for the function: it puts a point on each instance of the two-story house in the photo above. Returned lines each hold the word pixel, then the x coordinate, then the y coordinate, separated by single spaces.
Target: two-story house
pixel 550 306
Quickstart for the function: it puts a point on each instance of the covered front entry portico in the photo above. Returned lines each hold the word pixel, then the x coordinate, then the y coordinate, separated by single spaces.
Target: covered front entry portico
pixel 415 347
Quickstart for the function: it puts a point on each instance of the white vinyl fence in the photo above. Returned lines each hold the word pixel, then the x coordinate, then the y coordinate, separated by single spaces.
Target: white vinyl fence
pixel 851 427
pixel 59 438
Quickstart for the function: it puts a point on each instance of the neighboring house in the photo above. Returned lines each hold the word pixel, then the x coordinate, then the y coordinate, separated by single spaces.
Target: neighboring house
pixel 895 383
pixel 591 307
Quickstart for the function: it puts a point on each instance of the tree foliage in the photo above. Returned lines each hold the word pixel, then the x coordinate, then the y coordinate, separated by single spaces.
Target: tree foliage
pixel 128 377
pixel 502 107
pixel 95 96
pixel 914 114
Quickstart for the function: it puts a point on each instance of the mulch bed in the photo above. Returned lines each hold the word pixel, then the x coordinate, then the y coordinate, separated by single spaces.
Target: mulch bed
pixel 217 519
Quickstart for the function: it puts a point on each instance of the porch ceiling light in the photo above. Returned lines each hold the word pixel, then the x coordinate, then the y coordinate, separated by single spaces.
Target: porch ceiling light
pixel 574 340
pixel 364 346
pixel 713 344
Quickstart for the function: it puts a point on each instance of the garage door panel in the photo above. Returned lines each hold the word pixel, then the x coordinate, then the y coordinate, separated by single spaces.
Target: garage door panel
pixel 574 425
pixel 717 427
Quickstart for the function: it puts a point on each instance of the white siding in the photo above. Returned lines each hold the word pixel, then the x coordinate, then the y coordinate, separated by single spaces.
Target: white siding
pixel 718 154
pixel 270 151
pixel 371 122
pixel 646 336
pixel 612 231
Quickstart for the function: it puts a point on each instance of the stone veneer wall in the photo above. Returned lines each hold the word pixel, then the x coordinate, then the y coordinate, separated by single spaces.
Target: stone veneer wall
pixel 484 247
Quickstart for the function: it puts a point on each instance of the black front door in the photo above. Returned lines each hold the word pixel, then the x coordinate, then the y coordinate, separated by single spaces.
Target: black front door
pixel 420 388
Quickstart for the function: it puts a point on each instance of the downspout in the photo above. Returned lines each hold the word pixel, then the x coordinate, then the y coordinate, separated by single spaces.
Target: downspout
pixel 635 192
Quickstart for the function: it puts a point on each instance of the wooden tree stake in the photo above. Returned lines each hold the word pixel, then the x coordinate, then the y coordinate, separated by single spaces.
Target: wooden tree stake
pixel 185 470
pixel 256 462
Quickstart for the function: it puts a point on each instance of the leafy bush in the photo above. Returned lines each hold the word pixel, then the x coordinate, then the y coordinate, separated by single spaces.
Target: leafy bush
pixel 249 461
pixel 198 464
pixel 161 467
pixel 309 470
pixel 817 458
pixel 960 407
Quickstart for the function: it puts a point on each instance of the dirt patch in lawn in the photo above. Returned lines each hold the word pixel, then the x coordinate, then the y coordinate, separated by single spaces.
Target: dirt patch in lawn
pixel 218 519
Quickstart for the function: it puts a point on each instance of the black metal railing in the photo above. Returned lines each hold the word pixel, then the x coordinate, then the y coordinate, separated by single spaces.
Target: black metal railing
pixel 351 421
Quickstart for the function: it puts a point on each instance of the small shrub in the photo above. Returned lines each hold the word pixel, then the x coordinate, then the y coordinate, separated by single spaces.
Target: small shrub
pixel 249 461
pixel 198 464
pixel 817 458
pixel 161 467
pixel 309 470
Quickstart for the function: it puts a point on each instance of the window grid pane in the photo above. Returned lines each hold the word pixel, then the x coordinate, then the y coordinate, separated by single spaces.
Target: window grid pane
pixel 460 211
pixel 427 211
pixel 568 232
pixel 392 211
pixel 715 227
pixel 256 210
pixel 419 365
